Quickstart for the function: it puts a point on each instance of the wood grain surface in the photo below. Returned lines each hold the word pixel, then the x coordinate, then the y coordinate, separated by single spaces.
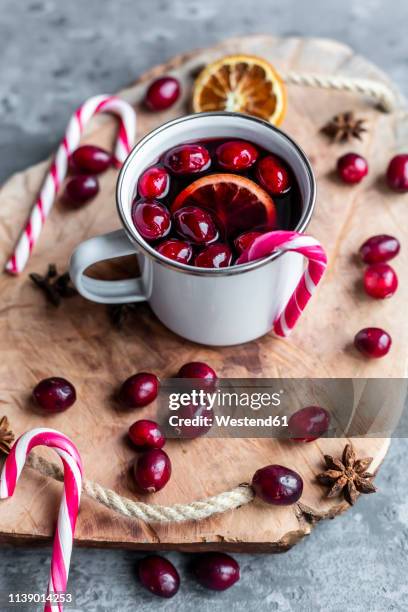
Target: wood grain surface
pixel 77 340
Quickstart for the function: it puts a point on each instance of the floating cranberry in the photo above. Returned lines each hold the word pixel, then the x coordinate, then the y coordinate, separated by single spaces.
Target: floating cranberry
pixel 151 219
pixel 273 175
pixel 91 160
pixel 81 189
pixel 195 224
pixel 54 394
pixel 236 155
pixel 397 173
pixel 152 470
pixel 308 424
pixel 159 576
pixel 177 250
pixel 154 183
pixel 352 168
pixel 214 256
pixel 146 434
pixel 373 342
pixel 379 249
pixel 244 241
pixel 187 159
pixel 162 93
pixel 216 571
pixel 197 369
pixel 277 485
pixel 380 281
pixel 139 390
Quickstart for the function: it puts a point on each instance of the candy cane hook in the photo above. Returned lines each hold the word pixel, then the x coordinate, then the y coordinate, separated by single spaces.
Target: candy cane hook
pixel 311 249
pixel 64 534
pixel 58 170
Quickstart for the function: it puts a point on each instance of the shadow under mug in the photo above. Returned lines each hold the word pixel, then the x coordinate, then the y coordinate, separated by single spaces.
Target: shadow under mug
pixel 218 307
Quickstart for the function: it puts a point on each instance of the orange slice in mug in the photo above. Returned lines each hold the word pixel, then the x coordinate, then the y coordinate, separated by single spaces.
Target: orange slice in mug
pixel 237 203
pixel 241 83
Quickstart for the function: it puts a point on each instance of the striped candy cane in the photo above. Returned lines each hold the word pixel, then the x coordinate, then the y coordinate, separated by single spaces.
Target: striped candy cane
pixel 64 534
pixel 293 242
pixel 58 170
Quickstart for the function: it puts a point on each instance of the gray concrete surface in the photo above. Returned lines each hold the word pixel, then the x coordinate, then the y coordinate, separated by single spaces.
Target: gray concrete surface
pixel 52 56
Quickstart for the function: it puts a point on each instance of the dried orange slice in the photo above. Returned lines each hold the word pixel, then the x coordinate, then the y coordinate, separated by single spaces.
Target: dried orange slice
pixel 241 83
pixel 237 203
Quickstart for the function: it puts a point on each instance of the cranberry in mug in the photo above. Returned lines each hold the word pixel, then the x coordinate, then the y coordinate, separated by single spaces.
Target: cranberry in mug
pixel 220 195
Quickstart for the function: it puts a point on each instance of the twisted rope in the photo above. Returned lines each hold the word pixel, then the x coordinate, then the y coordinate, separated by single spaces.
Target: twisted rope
pixel 152 513
pixel 386 98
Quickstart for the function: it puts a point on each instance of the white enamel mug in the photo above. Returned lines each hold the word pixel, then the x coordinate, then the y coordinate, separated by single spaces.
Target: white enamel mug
pixel 215 307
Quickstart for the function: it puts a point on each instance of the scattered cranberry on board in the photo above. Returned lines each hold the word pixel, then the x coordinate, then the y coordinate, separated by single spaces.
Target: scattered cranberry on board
pixel 146 434
pixel 194 421
pixel 162 93
pixel 352 168
pixel 54 394
pixel 373 342
pixel 379 249
pixel 152 219
pixel 81 189
pixel 277 485
pixel 90 159
pixel 236 155
pixel 308 424
pixel 380 281
pixel 139 390
pixel 152 470
pixel 154 183
pixel 197 369
pixel 397 173
pixel 159 576
pixel 216 571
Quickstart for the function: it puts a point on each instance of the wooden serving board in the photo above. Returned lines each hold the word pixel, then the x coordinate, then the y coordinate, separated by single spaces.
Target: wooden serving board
pixel 78 342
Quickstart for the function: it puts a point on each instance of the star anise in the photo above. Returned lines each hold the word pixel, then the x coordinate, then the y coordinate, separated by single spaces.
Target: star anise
pixel 53 285
pixel 6 436
pixel 344 127
pixel 119 314
pixel 348 476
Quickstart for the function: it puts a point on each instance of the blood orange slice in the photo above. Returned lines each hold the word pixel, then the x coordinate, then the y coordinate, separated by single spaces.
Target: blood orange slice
pixel 238 203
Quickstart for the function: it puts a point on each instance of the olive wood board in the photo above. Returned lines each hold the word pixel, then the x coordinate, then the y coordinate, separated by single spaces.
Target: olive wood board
pixel 78 341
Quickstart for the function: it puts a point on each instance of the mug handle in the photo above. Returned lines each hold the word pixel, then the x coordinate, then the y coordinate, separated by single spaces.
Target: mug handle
pixel 101 248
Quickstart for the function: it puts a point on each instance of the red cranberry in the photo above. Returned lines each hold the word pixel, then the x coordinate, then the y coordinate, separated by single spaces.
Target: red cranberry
pixel 197 369
pixel 154 183
pixel 236 155
pixel 177 250
pixel 277 485
pixel 194 421
pixel 152 470
pixel 216 571
pixel 195 224
pixel 273 175
pixel 380 281
pixel 139 390
pixel 373 342
pixel 146 434
pixel 54 394
pixel 214 256
pixel 91 160
pixel 397 173
pixel 187 159
pixel 379 249
pixel 81 189
pixel 244 241
pixel 162 93
pixel 152 219
pixel 308 424
pixel 159 576
pixel 352 168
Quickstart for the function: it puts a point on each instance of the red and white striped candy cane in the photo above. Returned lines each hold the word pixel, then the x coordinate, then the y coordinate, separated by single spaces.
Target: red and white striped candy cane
pixel 58 170
pixel 294 242
pixel 64 534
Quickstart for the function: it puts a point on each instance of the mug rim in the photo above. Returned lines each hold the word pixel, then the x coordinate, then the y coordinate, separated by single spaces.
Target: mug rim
pixel 198 271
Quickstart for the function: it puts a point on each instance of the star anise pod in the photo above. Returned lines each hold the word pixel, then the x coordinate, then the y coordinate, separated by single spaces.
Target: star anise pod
pixel 54 286
pixel 348 476
pixel 119 314
pixel 6 436
pixel 343 127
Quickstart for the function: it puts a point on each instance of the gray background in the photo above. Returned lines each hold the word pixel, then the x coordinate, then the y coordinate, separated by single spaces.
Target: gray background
pixel 53 55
